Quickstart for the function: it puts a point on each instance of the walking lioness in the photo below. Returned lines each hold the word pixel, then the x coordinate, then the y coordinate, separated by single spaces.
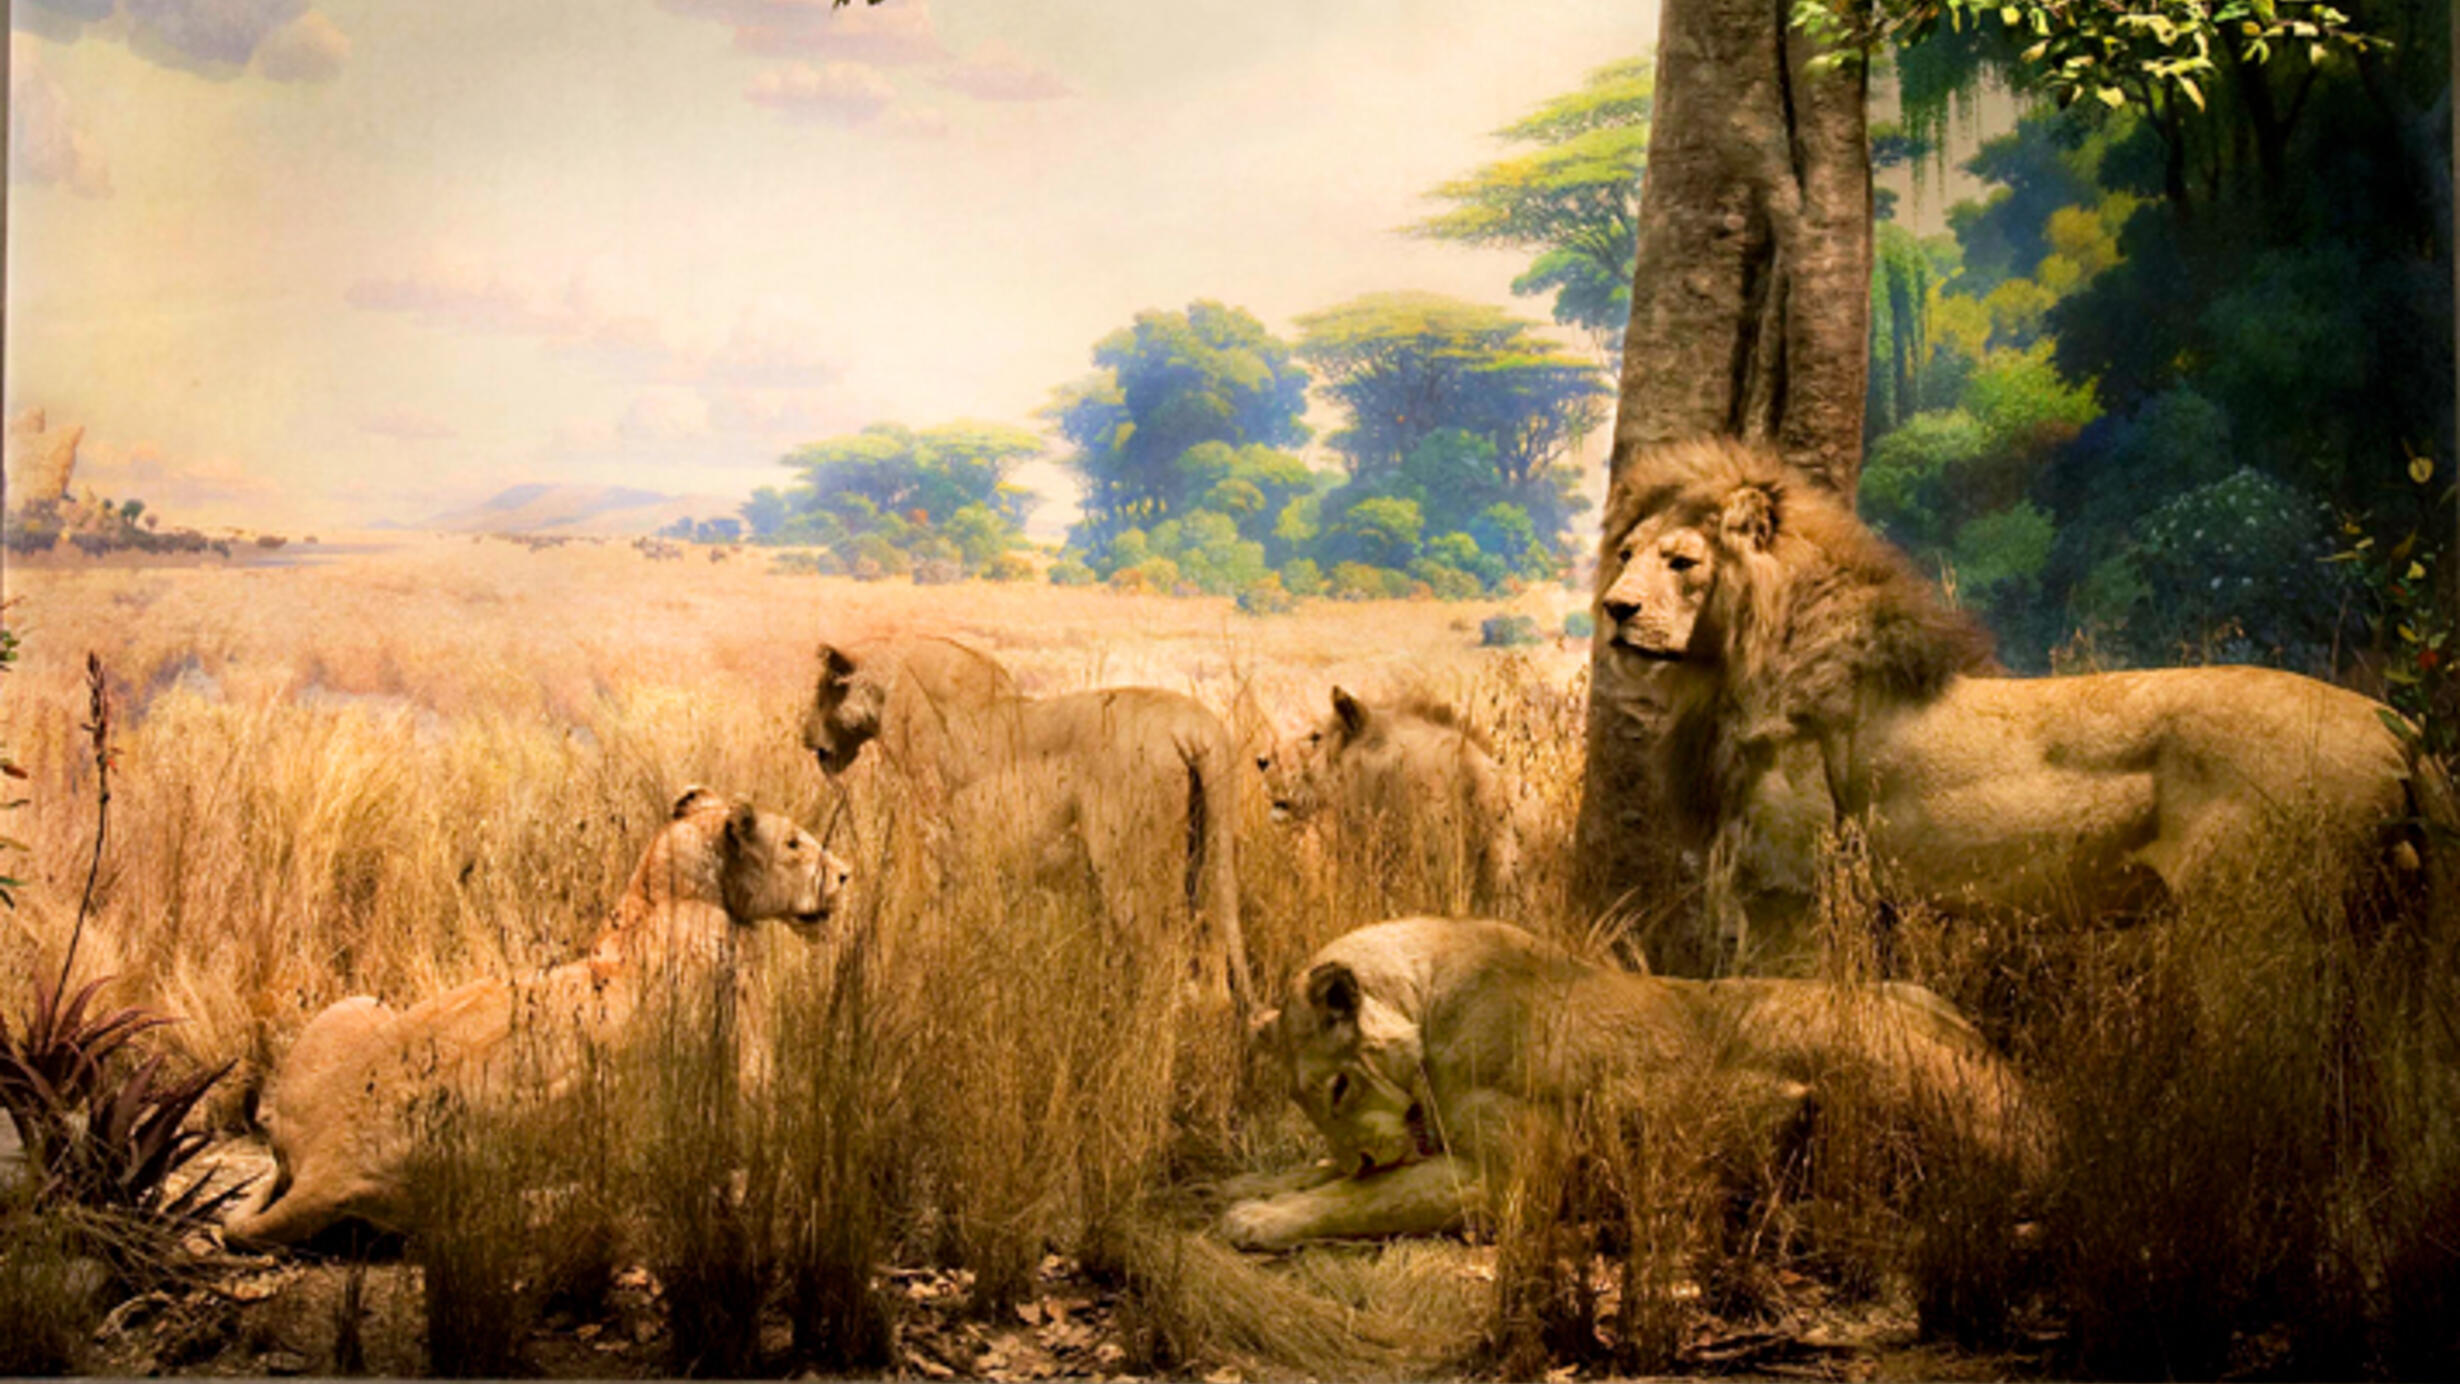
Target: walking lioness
pixel 1423 1049
pixel 341 1108
pixel 1140 776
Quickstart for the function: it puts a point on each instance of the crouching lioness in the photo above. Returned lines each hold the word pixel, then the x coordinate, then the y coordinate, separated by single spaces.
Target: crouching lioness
pixel 341 1108
pixel 1412 778
pixel 1425 1049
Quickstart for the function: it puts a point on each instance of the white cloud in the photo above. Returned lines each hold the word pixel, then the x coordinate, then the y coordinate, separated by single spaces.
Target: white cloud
pixel 174 487
pixel 997 72
pixel 762 350
pixel 212 32
pixel 409 425
pixel 767 352
pixel 282 40
pixel 917 122
pixel 841 93
pixel 310 48
pixel 665 414
pixel 889 35
pixel 48 143
pixel 460 298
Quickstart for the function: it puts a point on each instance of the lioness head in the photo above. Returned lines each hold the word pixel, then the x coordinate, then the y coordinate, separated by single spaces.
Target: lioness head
pixel 1354 1067
pixel 1298 774
pixel 845 710
pixel 1671 562
pixel 766 866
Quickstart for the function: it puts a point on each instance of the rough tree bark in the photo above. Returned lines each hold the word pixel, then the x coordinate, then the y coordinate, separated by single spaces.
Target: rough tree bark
pixel 1750 317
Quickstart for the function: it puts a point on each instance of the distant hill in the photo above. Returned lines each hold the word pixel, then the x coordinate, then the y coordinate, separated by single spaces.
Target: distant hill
pixel 588 509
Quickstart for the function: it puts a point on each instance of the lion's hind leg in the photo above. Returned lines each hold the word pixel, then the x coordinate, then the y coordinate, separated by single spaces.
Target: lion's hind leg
pixel 1426 1197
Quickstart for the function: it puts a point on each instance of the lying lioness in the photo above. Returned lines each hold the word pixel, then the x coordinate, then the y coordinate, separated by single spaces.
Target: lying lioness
pixel 1421 1049
pixel 340 1109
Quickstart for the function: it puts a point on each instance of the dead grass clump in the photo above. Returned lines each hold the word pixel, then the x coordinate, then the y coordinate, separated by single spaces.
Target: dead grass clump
pixel 837 1134
pixel 1406 1310
pixel 49 1292
pixel 2254 1105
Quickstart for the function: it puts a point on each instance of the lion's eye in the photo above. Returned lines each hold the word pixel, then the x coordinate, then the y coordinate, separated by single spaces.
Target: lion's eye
pixel 1340 1087
pixel 1315 737
pixel 1680 563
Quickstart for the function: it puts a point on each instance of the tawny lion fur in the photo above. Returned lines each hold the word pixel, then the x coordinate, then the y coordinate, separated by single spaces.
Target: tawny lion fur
pixel 342 1108
pixel 1140 777
pixel 1412 773
pixel 1428 1051
pixel 1786 625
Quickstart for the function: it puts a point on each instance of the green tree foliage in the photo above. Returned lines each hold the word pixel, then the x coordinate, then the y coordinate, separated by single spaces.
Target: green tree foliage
pixel 889 497
pixel 1573 200
pixel 1165 387
pixel 2155 52
pixel 1407 365
pixel 1462 412
pixel 2180 336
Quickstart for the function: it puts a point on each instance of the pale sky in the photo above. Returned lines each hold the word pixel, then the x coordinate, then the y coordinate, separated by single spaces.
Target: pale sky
pixel 299 265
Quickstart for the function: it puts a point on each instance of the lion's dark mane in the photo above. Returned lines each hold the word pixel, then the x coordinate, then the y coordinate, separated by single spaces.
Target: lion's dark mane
pixel 1849 626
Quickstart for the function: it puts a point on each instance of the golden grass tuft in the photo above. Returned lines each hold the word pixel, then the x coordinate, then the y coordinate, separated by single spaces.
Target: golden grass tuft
pixel 406 769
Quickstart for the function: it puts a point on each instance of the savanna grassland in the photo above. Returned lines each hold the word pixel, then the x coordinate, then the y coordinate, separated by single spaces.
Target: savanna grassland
pixel 392 770
pixel 992 1114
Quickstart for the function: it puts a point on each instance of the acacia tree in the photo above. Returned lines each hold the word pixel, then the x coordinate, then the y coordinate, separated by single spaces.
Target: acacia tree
pixel 1166 385
pixel 1574 198
pixel 1408 365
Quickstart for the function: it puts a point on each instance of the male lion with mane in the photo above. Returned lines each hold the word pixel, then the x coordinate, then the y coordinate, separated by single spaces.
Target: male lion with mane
pixel 1423 1048
pixel 1785 625
pixel 342 1107
pixel 1137 775
pixel 1410 771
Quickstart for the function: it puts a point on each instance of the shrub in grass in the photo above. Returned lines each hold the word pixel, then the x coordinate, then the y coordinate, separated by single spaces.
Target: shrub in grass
pixel 1507 631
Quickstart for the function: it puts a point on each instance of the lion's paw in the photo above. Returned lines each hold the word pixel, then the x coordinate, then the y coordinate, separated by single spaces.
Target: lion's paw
pixel 1262 1225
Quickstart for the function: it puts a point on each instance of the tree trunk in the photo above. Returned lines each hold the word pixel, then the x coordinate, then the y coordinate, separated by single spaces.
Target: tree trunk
pixel 1750 317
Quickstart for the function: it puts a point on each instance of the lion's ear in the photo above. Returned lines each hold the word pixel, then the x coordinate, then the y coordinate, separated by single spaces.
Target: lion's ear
pixel 835 664
pixel 1353 713
pixel 693 800
pixel 1749 520
pixel 1333 992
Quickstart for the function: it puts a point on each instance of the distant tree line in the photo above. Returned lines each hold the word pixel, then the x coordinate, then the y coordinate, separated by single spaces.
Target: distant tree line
pixel 1451 471
pixel 2176 386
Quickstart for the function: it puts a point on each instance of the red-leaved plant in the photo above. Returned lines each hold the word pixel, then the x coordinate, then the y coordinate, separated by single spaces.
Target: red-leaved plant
pixel 105 1131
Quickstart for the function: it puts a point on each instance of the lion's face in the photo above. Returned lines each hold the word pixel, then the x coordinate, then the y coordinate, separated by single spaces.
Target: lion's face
pixel 1354 1068
pixel 1669 569
pixel 1671 563
pixel 845 711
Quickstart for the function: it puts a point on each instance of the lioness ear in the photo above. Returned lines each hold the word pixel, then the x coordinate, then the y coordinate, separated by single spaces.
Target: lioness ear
pixel 1352 712
pixel 835 666
pixel 1263 1027
pixel 1332 989
pixel 1749 520
pixel 694 798
pixel 742 822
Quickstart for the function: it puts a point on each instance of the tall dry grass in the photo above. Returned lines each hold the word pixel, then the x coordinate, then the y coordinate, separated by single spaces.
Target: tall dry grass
pixel 401 772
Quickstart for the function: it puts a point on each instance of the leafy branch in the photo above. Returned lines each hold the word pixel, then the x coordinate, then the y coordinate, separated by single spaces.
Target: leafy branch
pixel 2098 49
